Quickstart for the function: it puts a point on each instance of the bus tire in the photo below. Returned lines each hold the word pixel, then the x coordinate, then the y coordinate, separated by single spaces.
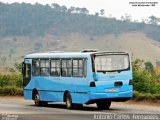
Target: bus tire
pixel 36 98
pixel 103 105
pixel 68 99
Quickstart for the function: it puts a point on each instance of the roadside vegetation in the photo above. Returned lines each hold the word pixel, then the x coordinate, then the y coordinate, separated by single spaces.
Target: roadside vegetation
pixel 11 81
pixel 146 81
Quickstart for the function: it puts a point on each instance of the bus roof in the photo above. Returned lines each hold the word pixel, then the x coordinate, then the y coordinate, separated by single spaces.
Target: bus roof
pixel 68 54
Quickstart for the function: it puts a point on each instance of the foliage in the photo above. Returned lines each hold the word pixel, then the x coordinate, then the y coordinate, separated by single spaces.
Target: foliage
pixel 11 79
pixel 149 67
pixel 11 90
pixel 146 81
pixel 137 64
pixel 11 82
pixel 145 96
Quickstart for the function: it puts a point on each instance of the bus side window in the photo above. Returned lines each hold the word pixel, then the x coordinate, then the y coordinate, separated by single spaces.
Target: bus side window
pixel 44 67
pixel 35 67
pixel 55 68
pixel 26 74
pixel 78 68
pixel 66 68
pixel 26 70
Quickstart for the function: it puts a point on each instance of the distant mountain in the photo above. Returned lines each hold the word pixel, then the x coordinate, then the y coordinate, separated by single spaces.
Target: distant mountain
pixel 37 20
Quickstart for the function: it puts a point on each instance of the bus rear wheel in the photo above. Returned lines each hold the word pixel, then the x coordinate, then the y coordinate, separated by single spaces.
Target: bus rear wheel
pixel 68 100
pixel 103 105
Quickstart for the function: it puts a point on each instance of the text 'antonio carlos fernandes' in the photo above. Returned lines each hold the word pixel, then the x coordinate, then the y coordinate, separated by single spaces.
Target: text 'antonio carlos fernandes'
pixel 126 117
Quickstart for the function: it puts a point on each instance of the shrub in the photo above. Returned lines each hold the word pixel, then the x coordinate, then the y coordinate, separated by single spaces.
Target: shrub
pixel 145 96
pixel 11 79
pixel 11 90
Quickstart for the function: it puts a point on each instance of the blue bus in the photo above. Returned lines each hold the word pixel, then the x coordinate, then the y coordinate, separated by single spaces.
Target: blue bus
pixel 77 78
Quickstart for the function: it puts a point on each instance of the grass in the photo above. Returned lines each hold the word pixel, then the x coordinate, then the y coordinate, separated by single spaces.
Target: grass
pixel 145 96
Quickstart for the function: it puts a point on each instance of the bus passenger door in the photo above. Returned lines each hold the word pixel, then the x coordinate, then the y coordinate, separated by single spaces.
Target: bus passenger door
pixel 26 71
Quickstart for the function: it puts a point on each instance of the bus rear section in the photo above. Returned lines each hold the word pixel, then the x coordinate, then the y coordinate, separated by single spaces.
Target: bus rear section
pixel 112 79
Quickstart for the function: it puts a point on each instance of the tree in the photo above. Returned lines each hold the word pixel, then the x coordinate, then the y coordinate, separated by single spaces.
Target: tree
pixel 84 11
pixel 97 14
pixel 102 12
pixel 77 9
pixel 63 8
pixel 71 9
pixel 137 65
pixel 149 67
pixel 122 18
pixel 154 20
pixel 56 6
pixel 128 18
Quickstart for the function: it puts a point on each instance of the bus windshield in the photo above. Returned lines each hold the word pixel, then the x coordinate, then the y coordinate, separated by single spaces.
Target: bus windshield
pixel 111 63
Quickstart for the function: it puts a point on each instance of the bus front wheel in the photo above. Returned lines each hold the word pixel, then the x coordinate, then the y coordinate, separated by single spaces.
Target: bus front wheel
pixel 103 105
pixel 68 100
pixel 37 99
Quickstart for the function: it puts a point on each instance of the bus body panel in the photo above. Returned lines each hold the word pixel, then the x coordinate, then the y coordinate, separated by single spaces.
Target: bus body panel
pixel 27 94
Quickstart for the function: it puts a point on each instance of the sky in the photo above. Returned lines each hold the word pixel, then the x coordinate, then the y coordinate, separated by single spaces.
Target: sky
pixel 113 8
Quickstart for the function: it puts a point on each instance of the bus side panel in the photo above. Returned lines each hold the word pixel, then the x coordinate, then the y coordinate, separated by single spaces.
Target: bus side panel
pixel 49 88
pixel 27 94
pixel 51 96
pixel 80 98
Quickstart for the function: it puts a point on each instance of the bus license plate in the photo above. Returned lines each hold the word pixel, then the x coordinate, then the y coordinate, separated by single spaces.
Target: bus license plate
pixel 112 90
